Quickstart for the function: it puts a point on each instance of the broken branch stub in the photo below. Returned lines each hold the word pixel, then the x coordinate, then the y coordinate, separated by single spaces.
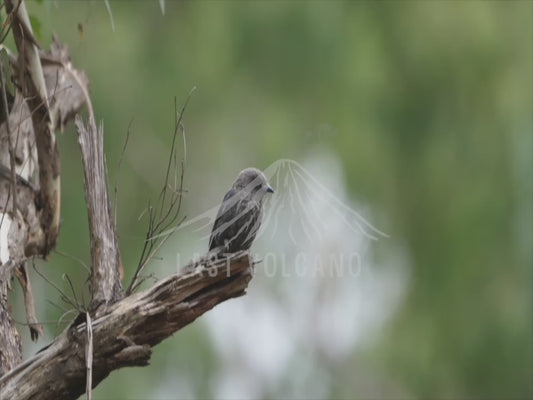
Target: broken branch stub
pixel 106 286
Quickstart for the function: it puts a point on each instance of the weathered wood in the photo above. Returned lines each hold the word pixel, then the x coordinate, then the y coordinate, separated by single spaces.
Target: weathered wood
pixel 125 335
pixel 11 350
pixel 106 286
pixel 46 95
pixel 31 80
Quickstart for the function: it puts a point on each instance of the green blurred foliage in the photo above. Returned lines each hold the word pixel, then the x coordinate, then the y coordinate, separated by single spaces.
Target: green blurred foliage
pixel 428 105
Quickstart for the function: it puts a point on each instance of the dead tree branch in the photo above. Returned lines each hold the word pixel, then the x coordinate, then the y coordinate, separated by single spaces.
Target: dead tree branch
pixel 47 92
pixel 126 334
pixel 31 80
pixel 106 287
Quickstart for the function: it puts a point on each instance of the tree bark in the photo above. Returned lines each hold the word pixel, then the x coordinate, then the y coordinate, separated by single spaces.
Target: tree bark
pixel 106 287
pixel 31 81
pixel 48 92
pixel 131 327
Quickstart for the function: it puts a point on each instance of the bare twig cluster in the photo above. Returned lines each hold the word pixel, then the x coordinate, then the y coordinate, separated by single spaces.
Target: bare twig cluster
pixel 162 219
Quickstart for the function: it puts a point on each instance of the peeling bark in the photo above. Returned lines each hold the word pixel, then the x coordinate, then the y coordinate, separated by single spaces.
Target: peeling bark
pixel 31 81
pixel 45 96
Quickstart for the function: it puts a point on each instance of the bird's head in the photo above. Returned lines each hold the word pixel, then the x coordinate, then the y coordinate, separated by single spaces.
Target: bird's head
pixel 253 181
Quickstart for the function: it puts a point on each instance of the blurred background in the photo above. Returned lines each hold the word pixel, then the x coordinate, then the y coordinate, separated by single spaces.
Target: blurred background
pixel 397 249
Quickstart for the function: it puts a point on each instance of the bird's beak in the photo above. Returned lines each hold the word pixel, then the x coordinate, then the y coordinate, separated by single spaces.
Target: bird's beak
pixel 269 189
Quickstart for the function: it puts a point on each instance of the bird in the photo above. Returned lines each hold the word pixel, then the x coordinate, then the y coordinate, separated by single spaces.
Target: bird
pixel 240 214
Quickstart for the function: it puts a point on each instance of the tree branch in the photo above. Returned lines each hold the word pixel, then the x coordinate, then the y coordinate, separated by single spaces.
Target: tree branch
pixel 35 91
pixel 126 334
pixel 106 287
pixel 45 95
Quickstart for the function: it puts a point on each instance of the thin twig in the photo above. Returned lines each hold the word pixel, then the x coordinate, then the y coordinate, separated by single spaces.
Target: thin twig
pixel 67 278
pixel 59 306
pixel 167 212
pixel 89 356
pixel 9 140
pixel 177 125
pixel 64 296
pixel 40 322
pixel 115 200
pixel 143 279
pixel 74 258
pixel 8 22
pixel 60 320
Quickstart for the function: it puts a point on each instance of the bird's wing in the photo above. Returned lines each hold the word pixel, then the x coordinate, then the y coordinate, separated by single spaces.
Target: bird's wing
pixel 227 202
pixel 248 225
